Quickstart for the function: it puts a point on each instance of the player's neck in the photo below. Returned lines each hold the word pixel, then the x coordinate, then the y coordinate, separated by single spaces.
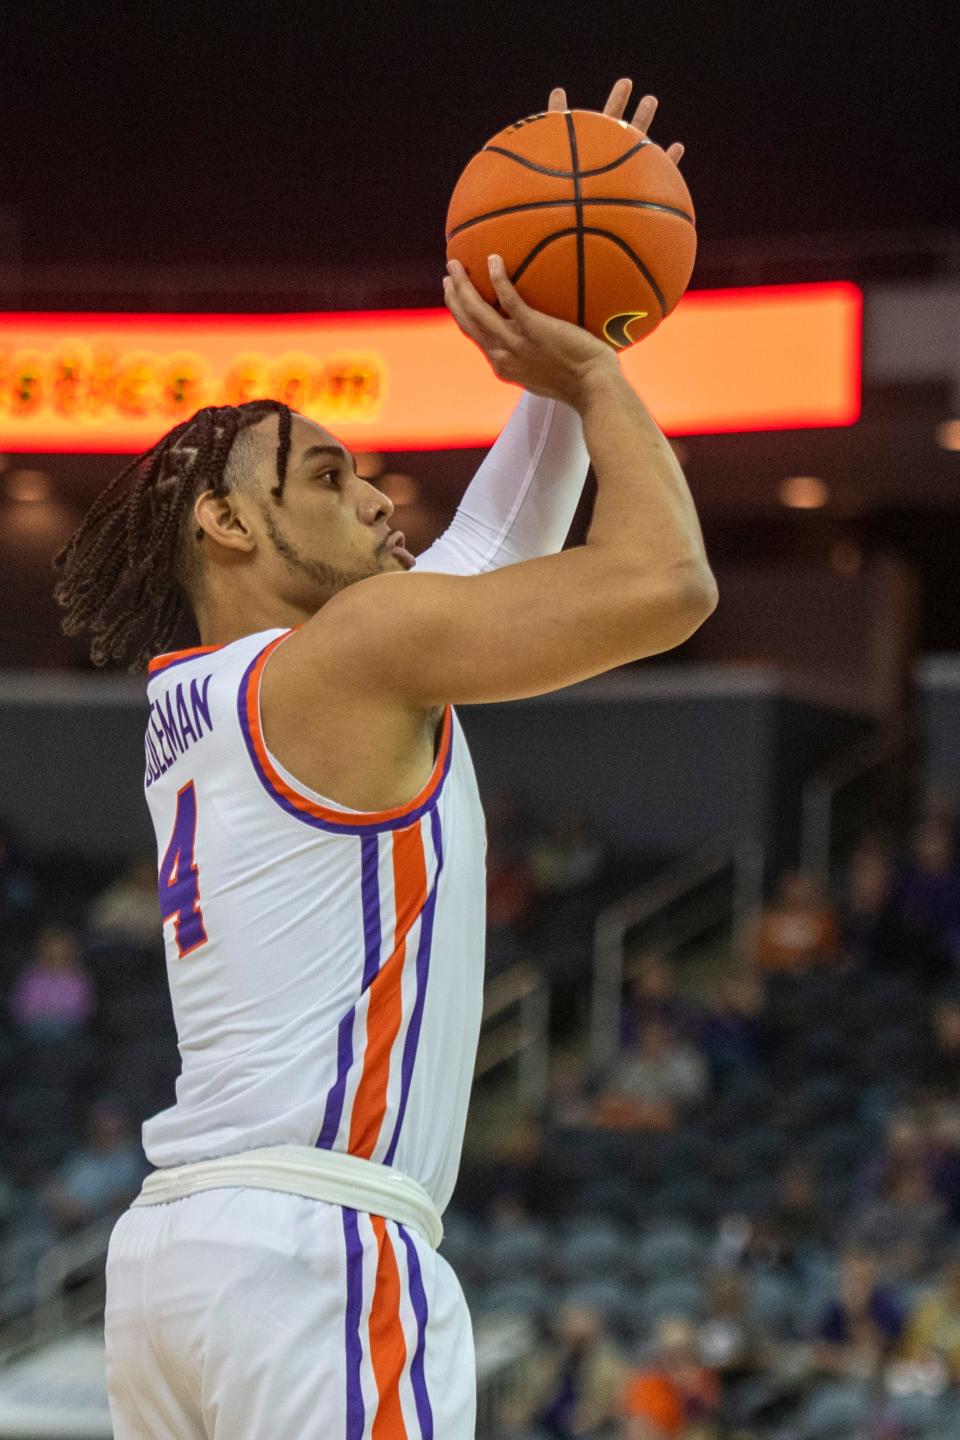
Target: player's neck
pixel 221 625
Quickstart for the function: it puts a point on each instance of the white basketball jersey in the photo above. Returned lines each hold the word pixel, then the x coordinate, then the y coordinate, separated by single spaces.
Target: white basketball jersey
pixel 325 964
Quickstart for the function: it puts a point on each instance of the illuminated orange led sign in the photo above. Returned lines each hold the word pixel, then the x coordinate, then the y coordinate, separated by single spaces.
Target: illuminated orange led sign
pixel 777 357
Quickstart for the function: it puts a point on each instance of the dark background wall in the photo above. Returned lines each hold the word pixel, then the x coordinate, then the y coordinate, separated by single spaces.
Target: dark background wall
pixel 660 759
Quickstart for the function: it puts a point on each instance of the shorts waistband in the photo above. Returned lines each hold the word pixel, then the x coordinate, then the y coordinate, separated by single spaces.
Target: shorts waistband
pixel 327 1175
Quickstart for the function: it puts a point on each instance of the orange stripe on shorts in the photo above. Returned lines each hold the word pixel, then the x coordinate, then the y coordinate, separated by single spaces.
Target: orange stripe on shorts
pixel 388 1349
pixel 385 1008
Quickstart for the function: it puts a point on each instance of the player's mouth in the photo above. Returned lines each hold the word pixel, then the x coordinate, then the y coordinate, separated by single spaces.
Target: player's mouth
pixel 394 545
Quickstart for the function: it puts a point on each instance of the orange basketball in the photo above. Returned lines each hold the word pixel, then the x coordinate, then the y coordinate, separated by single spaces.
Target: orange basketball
pixel 595 224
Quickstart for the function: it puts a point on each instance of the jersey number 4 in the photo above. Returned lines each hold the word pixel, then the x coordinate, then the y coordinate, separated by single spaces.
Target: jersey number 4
pixel 180 878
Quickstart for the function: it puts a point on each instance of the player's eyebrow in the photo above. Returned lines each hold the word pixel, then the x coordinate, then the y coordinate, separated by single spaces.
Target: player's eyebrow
pixel 312 451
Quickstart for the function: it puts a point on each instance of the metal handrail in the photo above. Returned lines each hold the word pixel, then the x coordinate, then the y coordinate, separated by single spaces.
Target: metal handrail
pixel 650 902
pixel 818 823
pixel 516 1026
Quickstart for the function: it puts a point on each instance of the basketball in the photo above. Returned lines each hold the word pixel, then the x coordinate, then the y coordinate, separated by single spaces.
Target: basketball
pixel 595 224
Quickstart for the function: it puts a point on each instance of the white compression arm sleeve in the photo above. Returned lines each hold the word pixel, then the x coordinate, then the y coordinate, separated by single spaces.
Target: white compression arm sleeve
pixel 521 501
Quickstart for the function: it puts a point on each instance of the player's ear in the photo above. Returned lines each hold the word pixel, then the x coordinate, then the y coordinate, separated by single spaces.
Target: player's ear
pixel 222 519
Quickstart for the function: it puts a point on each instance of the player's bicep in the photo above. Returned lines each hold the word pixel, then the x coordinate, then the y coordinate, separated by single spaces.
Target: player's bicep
pixel 520 631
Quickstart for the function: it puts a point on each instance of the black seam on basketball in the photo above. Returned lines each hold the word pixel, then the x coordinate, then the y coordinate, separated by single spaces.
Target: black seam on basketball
pixel 608 235
pixel 540 245
pixel 587 200
pixel 565 174
pixel 578 206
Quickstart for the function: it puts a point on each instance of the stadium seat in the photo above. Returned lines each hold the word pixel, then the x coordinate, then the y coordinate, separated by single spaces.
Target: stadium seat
pixel 592 1249
pixel 683 1299
pixel 678 1251
pixel 515 1250
pixel 774 1304
pixel 527 1297
pixel 835 1411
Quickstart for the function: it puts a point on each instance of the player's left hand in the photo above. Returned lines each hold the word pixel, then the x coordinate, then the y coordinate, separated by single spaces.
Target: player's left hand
pixel 617 104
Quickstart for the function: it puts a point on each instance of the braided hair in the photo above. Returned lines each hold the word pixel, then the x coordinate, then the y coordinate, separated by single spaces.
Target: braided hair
pixel 126 572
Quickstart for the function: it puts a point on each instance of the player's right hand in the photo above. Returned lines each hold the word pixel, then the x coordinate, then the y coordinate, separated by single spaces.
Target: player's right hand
pixel 547 356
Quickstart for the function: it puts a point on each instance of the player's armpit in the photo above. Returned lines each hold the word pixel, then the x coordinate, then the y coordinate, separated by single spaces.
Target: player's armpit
pixel 523 630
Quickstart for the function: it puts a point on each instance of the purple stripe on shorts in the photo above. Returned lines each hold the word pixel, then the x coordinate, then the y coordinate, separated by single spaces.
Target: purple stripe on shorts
pixel 418 1299
pixel 412 1039
pixel 370 894
pixel 355 1411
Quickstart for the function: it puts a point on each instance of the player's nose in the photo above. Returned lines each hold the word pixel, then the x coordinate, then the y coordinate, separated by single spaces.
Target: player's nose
pixel 374 505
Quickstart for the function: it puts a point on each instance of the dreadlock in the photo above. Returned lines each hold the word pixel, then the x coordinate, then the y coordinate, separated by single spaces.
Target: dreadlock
pixel 124 571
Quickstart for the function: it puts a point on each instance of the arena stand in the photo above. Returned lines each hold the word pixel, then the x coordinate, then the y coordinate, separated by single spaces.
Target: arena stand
pixel 745 1223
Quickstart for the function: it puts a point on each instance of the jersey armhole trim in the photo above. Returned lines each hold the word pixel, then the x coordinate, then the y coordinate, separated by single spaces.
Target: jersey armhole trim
pixel 305 807
pixel 179 657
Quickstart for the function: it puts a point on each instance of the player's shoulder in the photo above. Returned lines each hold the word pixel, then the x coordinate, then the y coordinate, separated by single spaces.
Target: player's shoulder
pixel 211 658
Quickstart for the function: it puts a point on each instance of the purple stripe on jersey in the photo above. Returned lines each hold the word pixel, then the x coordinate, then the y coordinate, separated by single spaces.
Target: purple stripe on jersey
pixel 370 897
pixel 355 1413
pixel 370 883
pixel 336 827
pixel 418 1299
pixel 423 970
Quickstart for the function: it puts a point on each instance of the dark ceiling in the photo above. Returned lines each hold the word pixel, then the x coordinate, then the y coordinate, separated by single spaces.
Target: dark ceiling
pixel 333 134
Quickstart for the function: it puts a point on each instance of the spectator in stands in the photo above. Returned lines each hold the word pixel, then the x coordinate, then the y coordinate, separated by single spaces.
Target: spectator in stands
pixel 571 1384
pixel 128 908
pixel 799 929
pixel 675 1394
pixel 872 931
pixel 18 885
pixel 101 1178
pixel 732 1033
pixel 570 857
pixel 652 995
pixel 863 1325
pixel 53 996
pixel 938 1074
pixel 906 1226
pixel 934 1327
pixel 510 898
pixel 943 1155
pixel 661 1077
pixel 928 899
pixel 731 1341
pixel 797 1223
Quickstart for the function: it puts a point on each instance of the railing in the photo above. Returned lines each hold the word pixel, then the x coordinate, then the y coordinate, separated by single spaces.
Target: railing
pixel 516 1024
pixel 672 910
pixel 869 780
pixel 501 1350
pixel 68 1290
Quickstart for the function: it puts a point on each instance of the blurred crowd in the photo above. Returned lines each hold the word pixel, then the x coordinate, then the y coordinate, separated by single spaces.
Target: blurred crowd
pixel 747 1226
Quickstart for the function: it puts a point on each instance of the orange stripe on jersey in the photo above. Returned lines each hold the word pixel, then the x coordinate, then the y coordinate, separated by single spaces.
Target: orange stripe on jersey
pixel 388 1349
pixel 385 1008
pixel 160 662
pixel 294 799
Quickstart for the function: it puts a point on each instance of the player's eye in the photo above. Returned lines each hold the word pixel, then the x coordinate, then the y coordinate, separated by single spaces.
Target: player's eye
pixel 333 475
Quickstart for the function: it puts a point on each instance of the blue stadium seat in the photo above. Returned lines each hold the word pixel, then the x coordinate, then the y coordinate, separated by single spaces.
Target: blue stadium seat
pixel 666 1253
pixel 615 1300
pixel 834 1411
pixel 526 1296
pixel 680 1298
pixel 775 1304
pixel 593 1248
pixel 516 1250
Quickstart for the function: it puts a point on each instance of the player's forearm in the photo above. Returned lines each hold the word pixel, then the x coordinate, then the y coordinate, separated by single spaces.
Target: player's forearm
pixel 521 501
pixel 644 510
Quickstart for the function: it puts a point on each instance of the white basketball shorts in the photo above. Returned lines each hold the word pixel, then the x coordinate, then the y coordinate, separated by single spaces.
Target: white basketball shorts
pixel 256 1315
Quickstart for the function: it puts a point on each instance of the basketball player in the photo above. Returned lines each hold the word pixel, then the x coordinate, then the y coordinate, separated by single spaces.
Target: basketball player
pixel 321 862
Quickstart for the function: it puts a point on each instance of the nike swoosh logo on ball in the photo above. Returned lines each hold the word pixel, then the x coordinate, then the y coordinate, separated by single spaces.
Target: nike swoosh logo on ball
pixel 617 328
